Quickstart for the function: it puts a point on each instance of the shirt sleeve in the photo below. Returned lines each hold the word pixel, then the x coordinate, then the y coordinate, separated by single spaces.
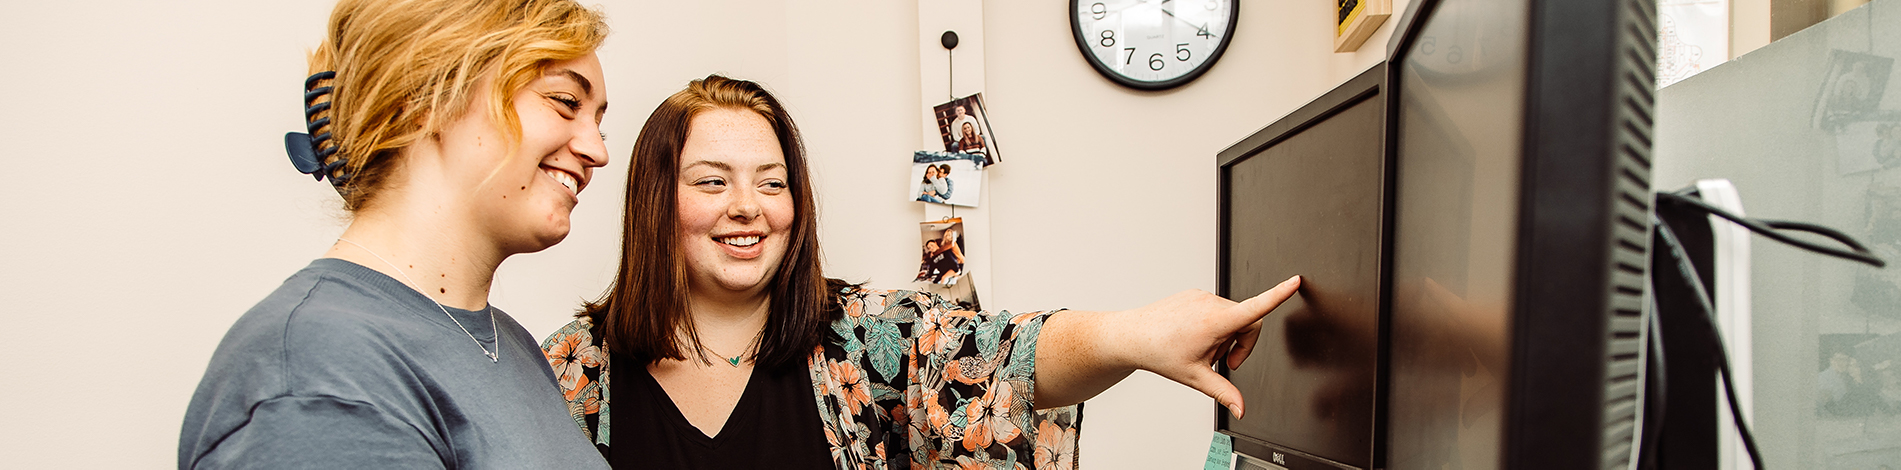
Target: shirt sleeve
pixel 971 382
pixel 580 367
pixel 323 432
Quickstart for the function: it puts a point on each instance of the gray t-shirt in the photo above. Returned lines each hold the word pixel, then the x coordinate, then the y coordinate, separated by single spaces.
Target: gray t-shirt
pixel 344 367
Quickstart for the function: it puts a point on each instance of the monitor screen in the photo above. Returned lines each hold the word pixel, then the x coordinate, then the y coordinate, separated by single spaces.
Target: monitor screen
pixel 1459 102
pixel 1307 198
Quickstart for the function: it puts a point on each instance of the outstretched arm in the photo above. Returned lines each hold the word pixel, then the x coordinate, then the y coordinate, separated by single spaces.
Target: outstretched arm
pixel 1080 354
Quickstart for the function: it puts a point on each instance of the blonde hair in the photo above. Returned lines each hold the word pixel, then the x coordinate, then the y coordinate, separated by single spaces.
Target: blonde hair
pixel 406 70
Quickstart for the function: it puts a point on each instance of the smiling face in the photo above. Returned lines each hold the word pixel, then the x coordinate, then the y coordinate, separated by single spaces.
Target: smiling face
pixel 736 206
pixel 523 194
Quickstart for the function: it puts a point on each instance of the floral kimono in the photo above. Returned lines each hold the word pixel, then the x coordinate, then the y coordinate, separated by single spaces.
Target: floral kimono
pixel 914 383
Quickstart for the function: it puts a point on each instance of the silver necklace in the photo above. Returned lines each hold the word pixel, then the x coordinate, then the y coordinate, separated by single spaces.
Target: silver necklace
pixel 445 310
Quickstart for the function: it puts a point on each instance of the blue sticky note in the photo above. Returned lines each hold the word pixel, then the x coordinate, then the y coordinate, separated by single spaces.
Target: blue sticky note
pixel 1220 453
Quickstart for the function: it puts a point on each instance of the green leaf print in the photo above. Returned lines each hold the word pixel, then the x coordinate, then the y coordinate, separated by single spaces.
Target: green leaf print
pixel 886 347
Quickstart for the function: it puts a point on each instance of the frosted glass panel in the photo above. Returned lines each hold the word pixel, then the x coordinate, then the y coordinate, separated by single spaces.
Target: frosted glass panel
pixel 1809 128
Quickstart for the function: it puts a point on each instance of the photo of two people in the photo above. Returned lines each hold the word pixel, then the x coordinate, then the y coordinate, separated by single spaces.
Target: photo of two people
pixel 964 127
pixel 943 259
pixel 946 178
pixel 941 266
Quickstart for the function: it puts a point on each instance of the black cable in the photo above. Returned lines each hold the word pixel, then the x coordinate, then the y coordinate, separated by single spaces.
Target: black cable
pixel 1768 228
pixel 1648 444
pixel 1709 316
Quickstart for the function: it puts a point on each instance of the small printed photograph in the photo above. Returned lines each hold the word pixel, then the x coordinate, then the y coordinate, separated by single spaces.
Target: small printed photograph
pixel 946 178
pixel 965 128
pixel 1852 90
pixel 1869 144
pixel 1857 376
pixel 942 261
pixel 963 294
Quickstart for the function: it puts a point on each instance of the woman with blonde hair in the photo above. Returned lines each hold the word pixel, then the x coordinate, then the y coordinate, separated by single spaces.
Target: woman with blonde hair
pixel 734 350
pixel 458 133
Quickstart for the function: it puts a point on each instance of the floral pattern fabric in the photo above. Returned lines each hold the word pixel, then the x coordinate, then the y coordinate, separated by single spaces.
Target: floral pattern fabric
pixel 909 382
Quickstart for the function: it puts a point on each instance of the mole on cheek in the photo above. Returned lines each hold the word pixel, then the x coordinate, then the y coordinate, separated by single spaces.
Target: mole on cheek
pixel 445 290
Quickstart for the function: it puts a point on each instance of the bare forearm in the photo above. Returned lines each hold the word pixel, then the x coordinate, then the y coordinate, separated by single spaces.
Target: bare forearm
pixel 1072 363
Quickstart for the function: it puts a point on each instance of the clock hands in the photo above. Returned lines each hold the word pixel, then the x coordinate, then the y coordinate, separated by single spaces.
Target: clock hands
pixel 1200 30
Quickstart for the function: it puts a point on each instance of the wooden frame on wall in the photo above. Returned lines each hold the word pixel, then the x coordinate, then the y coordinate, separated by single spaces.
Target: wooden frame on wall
pixel 1356 21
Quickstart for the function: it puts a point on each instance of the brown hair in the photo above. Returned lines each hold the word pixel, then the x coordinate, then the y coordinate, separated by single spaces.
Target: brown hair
pixel 406 69
pixel 644 313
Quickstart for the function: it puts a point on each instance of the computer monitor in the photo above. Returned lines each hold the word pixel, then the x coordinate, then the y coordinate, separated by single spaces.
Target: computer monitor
pixel 1308 196
pixel 1500 325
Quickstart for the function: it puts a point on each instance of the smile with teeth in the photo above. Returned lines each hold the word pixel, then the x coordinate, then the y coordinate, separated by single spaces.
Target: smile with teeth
pixel 564 178
pixel 741 241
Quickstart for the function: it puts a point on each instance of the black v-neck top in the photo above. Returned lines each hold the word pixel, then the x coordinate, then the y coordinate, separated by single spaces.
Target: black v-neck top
pixel 775 425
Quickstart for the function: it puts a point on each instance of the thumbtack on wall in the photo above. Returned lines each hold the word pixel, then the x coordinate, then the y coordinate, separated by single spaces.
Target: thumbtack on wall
pixel 949 40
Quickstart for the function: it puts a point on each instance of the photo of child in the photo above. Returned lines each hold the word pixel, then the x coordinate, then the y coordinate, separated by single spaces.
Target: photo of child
pixel 942 260
pixel 964 127
pixel 946 178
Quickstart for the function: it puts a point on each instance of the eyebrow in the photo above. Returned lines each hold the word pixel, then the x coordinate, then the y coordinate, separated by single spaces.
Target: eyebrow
pixel 722 166
pixel 587 87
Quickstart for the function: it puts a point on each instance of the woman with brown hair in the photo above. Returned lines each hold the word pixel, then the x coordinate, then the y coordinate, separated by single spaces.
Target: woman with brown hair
pixel 458 133
pixel 736 351
pixel 968 141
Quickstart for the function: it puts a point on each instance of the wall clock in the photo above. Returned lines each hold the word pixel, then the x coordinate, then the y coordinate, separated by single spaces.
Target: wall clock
pixel 1152 44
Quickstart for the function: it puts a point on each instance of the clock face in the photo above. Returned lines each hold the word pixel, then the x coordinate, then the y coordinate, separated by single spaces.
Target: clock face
pixel 1152 44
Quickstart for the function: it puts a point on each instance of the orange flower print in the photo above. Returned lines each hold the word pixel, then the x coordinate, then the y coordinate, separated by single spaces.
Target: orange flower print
pixel 855 307
pixel 934 412
pixel 589 405
pixel 965 462
pixel 900 416
pixel 852 392
pixel 954 370
pixel 929 336
pixel 831 437
pixel 970 370
pixel 570 354
pixel 1055 447
pixel 1019 320
pixel 989 419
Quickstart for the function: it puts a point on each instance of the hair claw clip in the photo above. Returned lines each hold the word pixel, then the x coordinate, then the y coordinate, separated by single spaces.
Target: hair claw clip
pixel 307 153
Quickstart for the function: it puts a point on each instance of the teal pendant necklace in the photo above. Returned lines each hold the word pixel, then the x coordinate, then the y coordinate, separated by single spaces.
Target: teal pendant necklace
pixel 733 360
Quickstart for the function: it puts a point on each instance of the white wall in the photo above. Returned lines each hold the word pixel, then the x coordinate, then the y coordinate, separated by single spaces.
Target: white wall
pixel 148 201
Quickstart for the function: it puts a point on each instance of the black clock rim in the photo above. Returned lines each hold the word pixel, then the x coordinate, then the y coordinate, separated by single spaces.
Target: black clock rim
pixel 1082 45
